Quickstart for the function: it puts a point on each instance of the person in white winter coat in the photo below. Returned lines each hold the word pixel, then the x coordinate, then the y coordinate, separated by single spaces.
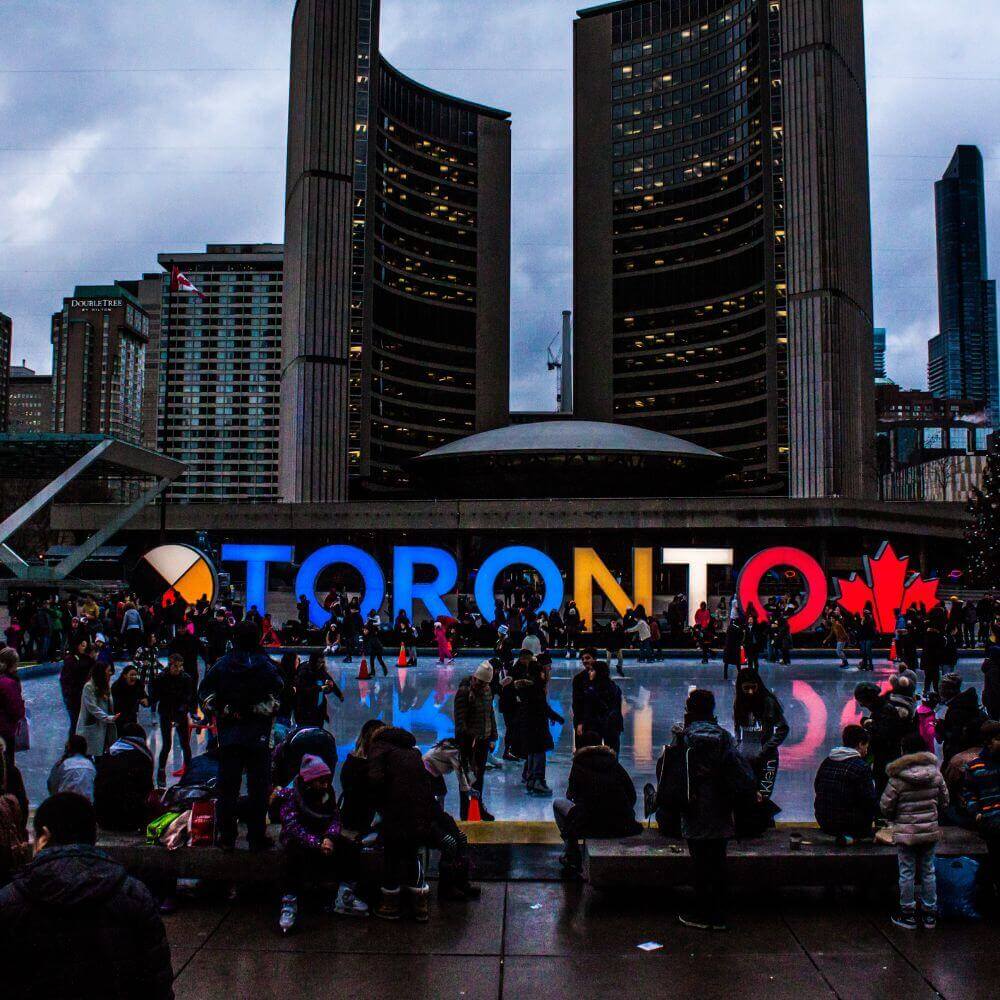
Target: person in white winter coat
pixel 913 800
pixel 97 720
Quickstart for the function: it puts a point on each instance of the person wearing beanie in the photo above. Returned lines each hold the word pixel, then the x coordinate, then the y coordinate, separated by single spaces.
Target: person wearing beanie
pixel 310 833
pixel 475 731
pixel 934 654
pixel 760 727
pixel 903 693
pixel 913 800
pixel 960 726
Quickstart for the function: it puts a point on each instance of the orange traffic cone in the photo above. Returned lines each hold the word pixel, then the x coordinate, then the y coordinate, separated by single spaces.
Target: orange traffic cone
pixel 743 656
pixel 401 660
pixel 892 651
pixel 474 816
pixel 364 673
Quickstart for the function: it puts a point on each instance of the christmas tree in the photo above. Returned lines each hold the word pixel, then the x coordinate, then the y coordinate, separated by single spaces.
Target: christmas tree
pixel 983 534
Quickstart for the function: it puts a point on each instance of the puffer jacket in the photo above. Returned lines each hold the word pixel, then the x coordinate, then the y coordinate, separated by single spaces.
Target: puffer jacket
pixel 981 793
pixel 914 798
pixel 74 924
pixel 400 787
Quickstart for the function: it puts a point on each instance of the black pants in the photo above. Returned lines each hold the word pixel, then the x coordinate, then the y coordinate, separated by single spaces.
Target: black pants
pixel 309 866
pixel 168 723
pixel 932 678
pixel 711 886
pixel 477 764
pixel 233 761
pixel 614 741
pixel 402 857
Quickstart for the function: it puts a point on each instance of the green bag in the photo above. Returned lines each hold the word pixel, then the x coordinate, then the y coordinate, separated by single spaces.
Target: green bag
pixel 159 827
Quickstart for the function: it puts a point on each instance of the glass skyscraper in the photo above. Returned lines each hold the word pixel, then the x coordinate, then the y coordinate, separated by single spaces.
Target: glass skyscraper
pixel 962 358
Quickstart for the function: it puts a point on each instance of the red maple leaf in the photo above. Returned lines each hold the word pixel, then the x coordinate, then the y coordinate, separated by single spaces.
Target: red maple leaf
pixel 886 588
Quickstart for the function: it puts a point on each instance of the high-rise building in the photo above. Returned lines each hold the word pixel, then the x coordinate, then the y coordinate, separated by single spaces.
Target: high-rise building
pixel 722 245
pixel 962 359
pixel 30 401
pixel 397 278
pixel 98 358
pixel 6 336
pixel 214 382
pixel 879 353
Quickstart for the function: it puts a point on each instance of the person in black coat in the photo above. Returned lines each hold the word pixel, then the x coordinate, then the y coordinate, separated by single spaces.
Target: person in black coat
pixel 846 803
pixel 732 648
pixel 74 923
pixel 600 799
pixel 357 808
pixel 403 794
pixel 960 727
pixel 123 782
pixel 310 687
pixel 172 696
pixel 886 726
pixel 579 684
pixel 127 694
pixel 702 779
pixel 601 710
pixel 191 649
pixel 76 670
pixel 535 715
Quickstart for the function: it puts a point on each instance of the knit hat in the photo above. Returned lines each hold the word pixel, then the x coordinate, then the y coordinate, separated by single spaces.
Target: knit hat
pixel 951 684
pixel 484 672
pixel 312 768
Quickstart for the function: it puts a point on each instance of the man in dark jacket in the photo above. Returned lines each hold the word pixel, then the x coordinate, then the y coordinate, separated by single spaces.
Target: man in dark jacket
pixel 74 923
pixel 704 778
pixel 403 794
pixel 991 677
pixel 600 799
pixel 123 782
pixel 580 683
pixel 981 795
pixel 242 691
pixel 846 803
pixel 960 726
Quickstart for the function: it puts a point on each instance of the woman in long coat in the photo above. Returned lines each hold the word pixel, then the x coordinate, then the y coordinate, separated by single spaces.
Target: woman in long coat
pixel 97 717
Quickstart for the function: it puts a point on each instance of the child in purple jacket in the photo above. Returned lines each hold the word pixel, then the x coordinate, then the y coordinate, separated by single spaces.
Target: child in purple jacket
pixel 310 830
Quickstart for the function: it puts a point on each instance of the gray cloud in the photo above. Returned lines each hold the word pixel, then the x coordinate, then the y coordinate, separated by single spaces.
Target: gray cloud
pixel 103 170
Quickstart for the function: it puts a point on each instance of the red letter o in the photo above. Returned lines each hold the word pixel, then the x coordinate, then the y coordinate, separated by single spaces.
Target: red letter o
pixel 817 591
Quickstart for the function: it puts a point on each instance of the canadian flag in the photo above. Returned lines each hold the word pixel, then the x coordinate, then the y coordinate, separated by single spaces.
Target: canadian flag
pixel 179 282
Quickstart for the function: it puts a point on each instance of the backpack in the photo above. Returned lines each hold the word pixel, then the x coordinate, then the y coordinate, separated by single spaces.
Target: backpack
pixel 201 824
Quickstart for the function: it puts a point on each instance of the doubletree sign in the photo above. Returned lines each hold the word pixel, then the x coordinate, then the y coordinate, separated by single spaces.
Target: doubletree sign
pixel 887 585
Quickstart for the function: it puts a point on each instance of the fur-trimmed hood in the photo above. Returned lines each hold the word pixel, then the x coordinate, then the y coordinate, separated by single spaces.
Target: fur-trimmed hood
pixel 915 768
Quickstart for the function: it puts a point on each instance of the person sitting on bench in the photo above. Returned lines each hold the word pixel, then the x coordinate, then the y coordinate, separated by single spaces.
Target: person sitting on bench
pixel 600 800
pixel 846 803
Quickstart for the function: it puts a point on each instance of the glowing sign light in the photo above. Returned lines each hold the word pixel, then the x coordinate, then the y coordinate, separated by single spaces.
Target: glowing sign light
pixel 257 557
pixel 405 591
pixel 817 591
pixel 589 568
pixel 697 562
pixel 518 555
pixel 371 574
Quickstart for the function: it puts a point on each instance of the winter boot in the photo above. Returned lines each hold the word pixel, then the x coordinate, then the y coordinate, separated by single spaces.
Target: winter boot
pixel 463 805
pixel 420 902
pixel 469 890
pixel 289 913
pixel 449 885
pixel 388 907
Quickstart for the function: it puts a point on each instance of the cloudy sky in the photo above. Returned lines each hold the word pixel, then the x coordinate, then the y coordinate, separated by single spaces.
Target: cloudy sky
pixel 129 127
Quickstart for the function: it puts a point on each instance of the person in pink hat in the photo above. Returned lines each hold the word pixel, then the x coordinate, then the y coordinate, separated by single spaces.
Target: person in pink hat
pixel 310 834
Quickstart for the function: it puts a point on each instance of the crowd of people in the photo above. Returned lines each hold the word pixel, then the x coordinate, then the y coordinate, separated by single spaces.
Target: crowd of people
pixel 363 847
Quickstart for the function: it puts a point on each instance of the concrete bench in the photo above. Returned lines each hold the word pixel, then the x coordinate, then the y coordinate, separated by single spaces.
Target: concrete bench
pixel 155 861
pixel 651 860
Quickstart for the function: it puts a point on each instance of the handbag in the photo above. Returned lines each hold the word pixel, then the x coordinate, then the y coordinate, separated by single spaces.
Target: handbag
pixel 22 735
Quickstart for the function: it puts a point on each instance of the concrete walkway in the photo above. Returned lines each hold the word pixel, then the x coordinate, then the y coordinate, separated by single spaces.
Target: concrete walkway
pixel 555 940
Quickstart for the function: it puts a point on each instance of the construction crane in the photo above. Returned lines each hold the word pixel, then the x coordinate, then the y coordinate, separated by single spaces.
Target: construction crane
pixel 561 362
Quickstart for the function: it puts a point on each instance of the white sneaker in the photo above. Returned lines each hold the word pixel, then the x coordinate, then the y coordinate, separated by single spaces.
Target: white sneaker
pixel 289 913
pixel 348 904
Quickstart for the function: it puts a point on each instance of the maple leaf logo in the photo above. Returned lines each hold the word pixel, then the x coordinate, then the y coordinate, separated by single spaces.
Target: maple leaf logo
pixel 886 587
